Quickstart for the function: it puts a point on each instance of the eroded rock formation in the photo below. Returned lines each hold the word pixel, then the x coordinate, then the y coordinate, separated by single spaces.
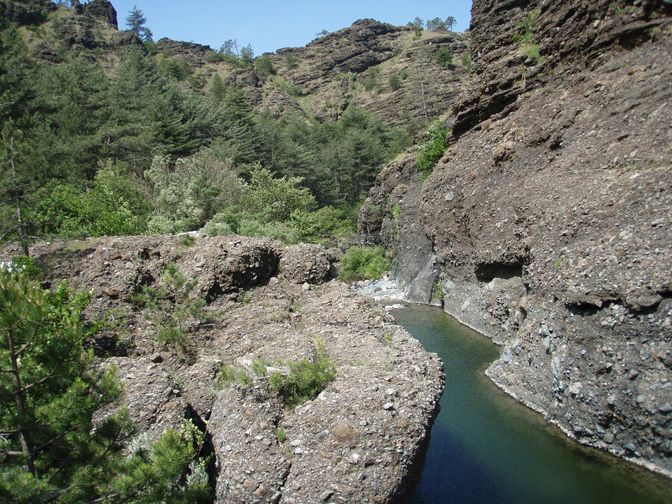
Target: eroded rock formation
pixel 550 214
pixel 359 440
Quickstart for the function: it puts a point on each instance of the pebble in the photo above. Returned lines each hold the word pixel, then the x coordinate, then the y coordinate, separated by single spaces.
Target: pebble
pixel 388 406
pixel 665 408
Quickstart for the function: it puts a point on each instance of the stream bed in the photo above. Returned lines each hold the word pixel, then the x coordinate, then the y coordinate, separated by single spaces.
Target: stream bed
pixel 487 448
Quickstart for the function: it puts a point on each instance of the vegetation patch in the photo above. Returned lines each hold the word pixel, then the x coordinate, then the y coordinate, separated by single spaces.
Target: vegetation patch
pixel 363 263
pixel 49 450
pixel 171 306
pixel 433 148
pixel 306 377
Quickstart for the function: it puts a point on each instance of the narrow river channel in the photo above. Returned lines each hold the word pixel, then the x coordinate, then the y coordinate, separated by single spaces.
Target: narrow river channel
pixel 486 448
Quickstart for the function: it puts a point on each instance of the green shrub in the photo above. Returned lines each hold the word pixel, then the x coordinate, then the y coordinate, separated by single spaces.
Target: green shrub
pixel 395 82
pixel 363 263
pixel 371 79
pixel 259 366
pixel 432 150
pixel 274 199
pixel 250 226
pixel 306 378
pixel 280 434
pixel 55 447
pixel 532 51
pixel 444 57
pixel 171 306
pixel 322 226
pixel 264 65
pixel 289 87
pixel 226 375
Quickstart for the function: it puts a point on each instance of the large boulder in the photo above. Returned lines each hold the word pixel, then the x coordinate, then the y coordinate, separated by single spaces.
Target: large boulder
pixel 306 263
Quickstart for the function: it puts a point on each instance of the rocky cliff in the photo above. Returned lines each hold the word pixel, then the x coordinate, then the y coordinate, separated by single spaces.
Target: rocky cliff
pixel 549 217
pixel 53 34
pixel 359 440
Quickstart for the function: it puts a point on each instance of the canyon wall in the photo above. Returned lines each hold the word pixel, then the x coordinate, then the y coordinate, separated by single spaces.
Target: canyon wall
pixel 549 216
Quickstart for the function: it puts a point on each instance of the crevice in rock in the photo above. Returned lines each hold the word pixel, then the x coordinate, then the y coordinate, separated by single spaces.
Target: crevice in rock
pixel 214 292
pixel 488 271
pixel 586 309
pixel 207 450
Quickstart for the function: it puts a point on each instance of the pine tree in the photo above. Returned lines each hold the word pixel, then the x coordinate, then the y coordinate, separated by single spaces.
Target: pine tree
pixel 137 23
pixel 51 449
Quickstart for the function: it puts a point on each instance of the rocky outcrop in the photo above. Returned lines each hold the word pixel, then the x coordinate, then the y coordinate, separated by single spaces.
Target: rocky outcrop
pixel 506 35
pixel 194 54
pixel 390 216
pixel 359 440
pixel 89 29
pixel 305 263
pixel 384 69
pixel 102 10
pixel 550 215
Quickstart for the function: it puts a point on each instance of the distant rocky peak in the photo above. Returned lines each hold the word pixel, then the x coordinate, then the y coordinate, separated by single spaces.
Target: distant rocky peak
pixel 103 10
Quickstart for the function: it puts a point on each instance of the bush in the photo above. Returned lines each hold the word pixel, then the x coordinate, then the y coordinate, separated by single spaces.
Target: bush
pixel 306 378
pixel 61 449
pixel 172 306
pixel 322 226
pixel 395 82
pixel 264 65
pixel 432 150
pixel 274 199
pixel 280 231
pixel 363 263
pixel 190 192
pixel 444 57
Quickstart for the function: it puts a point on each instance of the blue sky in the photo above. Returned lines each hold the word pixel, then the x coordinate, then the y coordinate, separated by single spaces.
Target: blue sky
pixel 270 25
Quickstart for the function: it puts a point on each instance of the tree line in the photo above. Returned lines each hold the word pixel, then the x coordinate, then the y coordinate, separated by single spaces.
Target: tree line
pixel 90 152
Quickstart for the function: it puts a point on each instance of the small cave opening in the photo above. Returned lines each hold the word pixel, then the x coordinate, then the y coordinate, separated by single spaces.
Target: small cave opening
pixel 214 291
pixel 486 272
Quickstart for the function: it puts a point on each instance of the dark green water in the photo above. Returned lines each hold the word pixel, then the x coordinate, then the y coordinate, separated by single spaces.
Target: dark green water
pixel 486 448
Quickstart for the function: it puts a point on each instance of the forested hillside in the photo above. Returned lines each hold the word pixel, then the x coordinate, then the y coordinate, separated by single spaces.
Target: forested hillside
pixel 104 133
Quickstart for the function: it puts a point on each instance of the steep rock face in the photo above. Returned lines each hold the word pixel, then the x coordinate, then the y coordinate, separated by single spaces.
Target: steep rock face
pixel 550 215
pixel 504 30
pixel 390 216
pixel 382 68
pixel 552 219
pixel 103 10
pixel 359 440
pixel 90 30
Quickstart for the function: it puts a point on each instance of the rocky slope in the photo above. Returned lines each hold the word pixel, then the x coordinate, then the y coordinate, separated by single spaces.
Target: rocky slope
pixel 403 77
pixel 89 30
pixel 385 69
pixel 549 217
pixel 358 441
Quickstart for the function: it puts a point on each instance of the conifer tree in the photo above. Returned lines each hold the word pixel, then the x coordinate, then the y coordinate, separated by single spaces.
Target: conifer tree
pixel 51 449
pixel 137 23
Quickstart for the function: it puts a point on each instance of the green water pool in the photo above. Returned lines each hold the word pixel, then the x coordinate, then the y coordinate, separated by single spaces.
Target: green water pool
pixel 486 448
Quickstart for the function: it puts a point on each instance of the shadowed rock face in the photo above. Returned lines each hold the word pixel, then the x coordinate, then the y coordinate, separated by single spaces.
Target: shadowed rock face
pixel 550 215
pixel 26 13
